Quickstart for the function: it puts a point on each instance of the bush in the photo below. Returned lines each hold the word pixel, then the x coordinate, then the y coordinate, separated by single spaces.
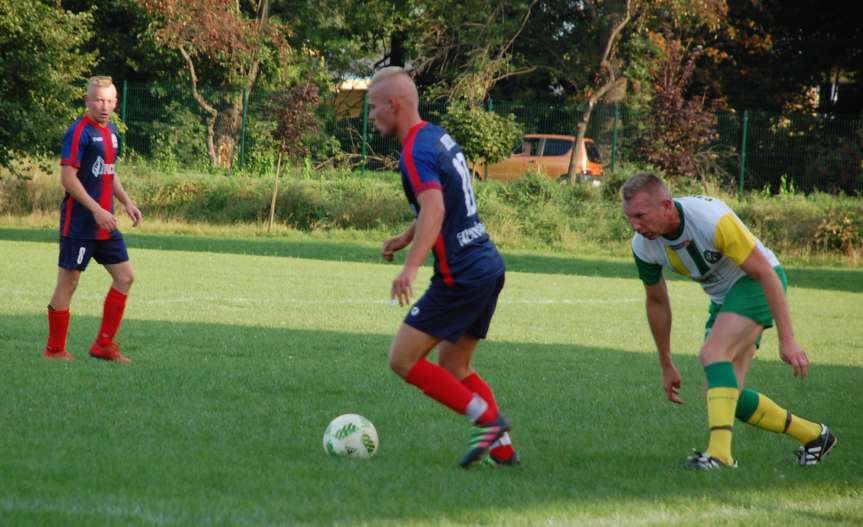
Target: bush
pixel 482 135
pixel 533 213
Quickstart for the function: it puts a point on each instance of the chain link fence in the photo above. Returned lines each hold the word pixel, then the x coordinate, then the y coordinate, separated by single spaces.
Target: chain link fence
pixel 752 150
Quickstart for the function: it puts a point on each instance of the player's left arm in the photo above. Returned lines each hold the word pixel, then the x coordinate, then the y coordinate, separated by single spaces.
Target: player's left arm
pixel 131 209
pixel 426 231
pixel 758 267
pixel 397 243
pixel 735 241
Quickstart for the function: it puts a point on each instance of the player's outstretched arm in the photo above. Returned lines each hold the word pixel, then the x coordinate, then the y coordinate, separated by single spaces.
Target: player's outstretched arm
pixel 69 180
pixel 658 306
pixel 758 267
pixel 127 202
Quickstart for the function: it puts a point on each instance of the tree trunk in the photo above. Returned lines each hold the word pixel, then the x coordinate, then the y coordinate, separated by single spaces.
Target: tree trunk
pixel 397 49
pixel 227 129
pixel 606 71
pixel 275 192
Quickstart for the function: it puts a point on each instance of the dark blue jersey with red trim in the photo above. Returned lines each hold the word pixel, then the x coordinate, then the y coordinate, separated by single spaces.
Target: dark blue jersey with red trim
pixel 464 252
pixel 91 148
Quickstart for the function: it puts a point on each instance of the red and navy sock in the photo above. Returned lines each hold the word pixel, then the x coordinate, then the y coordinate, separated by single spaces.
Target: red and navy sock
pixel 439 384
pixel 58 328
pixel 112 314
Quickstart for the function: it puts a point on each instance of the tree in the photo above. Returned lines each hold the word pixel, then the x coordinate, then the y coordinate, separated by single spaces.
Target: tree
pixel 42 72
pixel 123 48
pixel 224 43
pixel 462 47
pixel 294 112
pixel 681 128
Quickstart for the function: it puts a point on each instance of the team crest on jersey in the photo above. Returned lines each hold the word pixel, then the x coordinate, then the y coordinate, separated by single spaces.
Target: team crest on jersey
pixel 114 141
pixel 100 167
pixel 712 256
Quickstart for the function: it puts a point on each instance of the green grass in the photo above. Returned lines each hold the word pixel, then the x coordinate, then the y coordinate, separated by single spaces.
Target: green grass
pixel 245 348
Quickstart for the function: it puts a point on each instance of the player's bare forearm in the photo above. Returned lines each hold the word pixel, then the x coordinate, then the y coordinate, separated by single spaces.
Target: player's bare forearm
pixel 658 307
pixel 758 268
pixel 426 227
pixel 408 235
pixel 120 192
pixel 69 180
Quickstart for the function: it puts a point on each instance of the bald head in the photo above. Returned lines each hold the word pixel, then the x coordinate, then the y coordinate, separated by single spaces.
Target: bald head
pixel 393 102
pixel 395 82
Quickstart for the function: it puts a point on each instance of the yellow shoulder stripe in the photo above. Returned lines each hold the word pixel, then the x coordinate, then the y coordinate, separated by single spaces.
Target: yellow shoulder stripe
pixel 733 239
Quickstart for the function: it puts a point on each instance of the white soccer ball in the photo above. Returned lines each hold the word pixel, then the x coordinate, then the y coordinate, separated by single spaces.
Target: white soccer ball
pixel 351 435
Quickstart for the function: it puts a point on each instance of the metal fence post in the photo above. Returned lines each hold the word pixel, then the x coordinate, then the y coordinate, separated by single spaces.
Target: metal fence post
pixel 365 131
pixel 743 153
pixel 123 117
pixel 614 135
pixel 243 129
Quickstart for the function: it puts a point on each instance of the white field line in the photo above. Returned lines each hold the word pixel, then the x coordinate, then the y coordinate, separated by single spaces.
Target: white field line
pixel 360 301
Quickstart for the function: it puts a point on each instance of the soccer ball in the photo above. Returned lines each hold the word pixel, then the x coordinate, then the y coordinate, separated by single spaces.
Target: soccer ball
pixel 351 435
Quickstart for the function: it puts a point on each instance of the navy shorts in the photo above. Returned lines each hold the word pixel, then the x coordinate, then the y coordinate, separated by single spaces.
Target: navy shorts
pixel 75 254
pixel 450 312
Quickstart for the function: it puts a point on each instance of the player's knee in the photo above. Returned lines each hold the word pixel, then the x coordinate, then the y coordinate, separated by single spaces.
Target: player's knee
pixel 124 281
pixel 70 283
pixel 711 353
pixel 398 364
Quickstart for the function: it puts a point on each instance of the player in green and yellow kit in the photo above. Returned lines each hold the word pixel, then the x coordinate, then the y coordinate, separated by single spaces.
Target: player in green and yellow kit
pixel 700 237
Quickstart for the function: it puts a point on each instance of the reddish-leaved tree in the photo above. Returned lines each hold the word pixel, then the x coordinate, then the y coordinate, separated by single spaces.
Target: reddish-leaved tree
pixel 224 41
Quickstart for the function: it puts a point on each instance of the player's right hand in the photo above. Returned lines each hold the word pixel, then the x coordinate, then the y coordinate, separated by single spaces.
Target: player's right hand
pixel 105 220
pixel 402 288
pixel 671 384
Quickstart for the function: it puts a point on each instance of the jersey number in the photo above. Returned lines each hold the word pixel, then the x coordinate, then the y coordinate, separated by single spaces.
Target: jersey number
pixel 469 197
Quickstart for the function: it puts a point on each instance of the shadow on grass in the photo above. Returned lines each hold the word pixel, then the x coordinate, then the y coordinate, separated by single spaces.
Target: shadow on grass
pixel 221 424
pixel 848 280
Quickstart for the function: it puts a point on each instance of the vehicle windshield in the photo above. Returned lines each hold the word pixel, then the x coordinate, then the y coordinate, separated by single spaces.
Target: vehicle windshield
pixel 528 147
pixel 557 147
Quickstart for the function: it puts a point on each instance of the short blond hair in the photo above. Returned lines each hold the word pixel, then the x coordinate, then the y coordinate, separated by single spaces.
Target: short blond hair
pixel 643 181
pixel 100 81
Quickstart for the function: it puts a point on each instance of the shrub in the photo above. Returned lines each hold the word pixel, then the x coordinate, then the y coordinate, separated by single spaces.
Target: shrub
pixel 482 135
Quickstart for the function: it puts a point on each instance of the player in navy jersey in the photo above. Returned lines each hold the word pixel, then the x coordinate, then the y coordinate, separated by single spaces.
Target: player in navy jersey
pixel 456 310
pixel 88 228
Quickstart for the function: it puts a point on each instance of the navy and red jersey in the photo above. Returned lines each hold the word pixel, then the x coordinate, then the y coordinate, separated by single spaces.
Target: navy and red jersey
pixel 464 253
pixel 92 149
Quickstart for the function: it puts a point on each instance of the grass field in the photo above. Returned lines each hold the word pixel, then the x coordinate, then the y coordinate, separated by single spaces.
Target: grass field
pixel 244 350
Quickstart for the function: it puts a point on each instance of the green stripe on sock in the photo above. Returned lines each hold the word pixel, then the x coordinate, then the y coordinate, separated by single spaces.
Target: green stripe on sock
pixel 747 403
pixel 720 375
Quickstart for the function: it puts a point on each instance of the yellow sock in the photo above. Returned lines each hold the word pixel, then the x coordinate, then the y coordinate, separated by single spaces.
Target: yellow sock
pixel 771 417
pixel 721 403
pixel 803 430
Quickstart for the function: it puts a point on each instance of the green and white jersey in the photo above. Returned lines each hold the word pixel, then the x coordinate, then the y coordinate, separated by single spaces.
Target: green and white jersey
pixel 709 247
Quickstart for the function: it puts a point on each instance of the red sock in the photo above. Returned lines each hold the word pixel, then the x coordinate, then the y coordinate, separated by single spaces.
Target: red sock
pixel 440 385
pixel 58 327
pixel 476 384
pixel 112 314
